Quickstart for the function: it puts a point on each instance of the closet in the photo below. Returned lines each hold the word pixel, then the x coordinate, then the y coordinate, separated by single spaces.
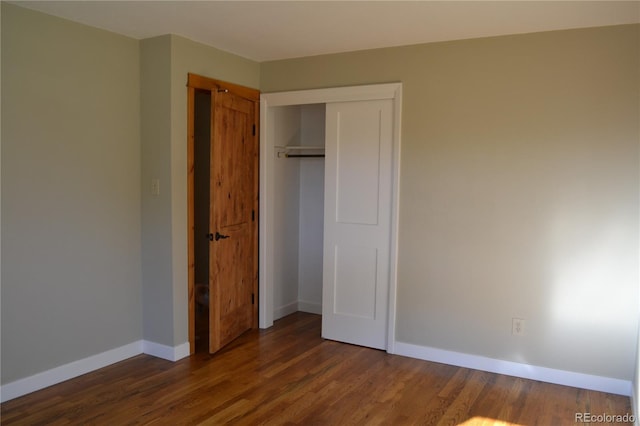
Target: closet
pixel 328 209
pixel 298 209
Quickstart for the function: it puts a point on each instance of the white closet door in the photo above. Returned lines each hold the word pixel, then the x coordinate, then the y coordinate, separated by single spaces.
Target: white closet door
pixel 357 224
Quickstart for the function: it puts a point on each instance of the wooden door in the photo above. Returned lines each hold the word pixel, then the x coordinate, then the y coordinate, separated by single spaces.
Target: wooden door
pixel 357 222
pixel 233 245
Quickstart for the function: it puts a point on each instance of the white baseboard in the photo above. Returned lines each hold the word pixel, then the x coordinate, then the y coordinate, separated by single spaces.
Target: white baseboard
pixel 86 365
pixel 285 310
pixel 310 307
pixel 68 371
pixel 166 352
pixel 543 374
pixel 634 406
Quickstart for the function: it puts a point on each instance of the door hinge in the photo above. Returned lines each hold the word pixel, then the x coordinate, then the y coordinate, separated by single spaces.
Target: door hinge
pixel 253 215
pixel 254 130
pixel 253 299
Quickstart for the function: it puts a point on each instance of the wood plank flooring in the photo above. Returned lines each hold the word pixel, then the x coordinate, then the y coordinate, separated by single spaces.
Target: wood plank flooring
pixel 289 375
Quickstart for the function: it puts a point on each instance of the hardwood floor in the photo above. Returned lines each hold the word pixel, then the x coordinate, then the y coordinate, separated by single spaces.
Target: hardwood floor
pixel 289 375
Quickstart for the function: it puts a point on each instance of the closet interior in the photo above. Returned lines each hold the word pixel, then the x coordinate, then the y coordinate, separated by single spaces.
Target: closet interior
pixel 297 133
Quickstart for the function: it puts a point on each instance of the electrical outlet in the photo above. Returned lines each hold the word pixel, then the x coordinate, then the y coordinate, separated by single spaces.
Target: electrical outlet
pixel 517 326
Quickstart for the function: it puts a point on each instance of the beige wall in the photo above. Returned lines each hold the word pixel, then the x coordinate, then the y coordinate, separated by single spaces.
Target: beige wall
pixel 157 283
pixel 519 191
pixel 166 61
pixel 70 192
pixel 90 260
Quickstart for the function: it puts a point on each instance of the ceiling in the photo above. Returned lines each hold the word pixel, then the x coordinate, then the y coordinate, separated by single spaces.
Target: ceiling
pixel 269 30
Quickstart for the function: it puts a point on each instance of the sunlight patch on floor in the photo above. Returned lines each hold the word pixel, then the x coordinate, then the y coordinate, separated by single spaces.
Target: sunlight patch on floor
pixel 485 421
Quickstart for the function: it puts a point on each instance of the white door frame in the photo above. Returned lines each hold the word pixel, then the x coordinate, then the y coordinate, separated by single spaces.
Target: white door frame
pixel 304 97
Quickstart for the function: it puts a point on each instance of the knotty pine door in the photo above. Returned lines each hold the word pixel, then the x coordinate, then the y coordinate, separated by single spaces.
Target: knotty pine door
pixel 231 181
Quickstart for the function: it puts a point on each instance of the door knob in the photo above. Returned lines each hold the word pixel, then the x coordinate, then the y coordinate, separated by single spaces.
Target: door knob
pixel 219 236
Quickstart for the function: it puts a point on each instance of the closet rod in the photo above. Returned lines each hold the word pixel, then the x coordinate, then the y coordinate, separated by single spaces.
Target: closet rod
pixel 304 155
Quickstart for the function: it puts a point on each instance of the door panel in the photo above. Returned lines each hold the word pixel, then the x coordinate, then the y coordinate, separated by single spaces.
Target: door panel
pixel 358 203
pixel 357 163
pixel 232 218
pixel 356 281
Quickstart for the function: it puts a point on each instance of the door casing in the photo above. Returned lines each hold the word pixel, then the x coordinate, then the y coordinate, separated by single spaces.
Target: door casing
pixel 391 91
